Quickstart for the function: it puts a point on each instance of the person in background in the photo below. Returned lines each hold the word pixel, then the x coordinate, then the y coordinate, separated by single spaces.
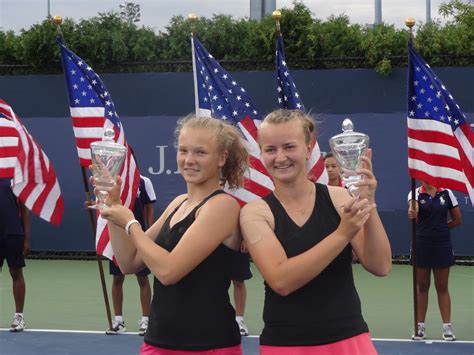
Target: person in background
pixel 333 169
pixel 300 238
pixel 240 273
pixel 189 248
pixel 14 246
pixel 144 212
pixel 434 250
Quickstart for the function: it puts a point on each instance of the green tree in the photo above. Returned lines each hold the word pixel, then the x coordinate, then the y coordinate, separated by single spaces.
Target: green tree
pixel 10 48
pixel 39 47
pixel 110 43
pixel 382 42
pixel 462 12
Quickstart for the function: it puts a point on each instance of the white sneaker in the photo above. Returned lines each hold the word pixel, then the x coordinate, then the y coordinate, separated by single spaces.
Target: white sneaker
pixel 244 331
pixel 420 332
pixel 117 328
pixel 18 324
pixel 448 334
pixel 142 326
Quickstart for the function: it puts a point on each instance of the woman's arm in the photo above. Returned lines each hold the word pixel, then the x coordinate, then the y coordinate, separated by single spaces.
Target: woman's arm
pixel 286 275
pixel 124 248
pixel 215 221
pixel 25 220
pixel 455 217
pixel 371 244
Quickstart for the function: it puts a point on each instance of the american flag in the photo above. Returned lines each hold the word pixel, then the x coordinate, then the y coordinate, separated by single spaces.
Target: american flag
pixel 289 98
pixel 218 95
pixel 34 180
pixel 440 141
pixel 92 111
pixel 9 138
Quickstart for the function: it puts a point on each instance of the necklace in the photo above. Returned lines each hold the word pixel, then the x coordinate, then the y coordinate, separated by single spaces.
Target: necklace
pixel 187 206
pixel 306 205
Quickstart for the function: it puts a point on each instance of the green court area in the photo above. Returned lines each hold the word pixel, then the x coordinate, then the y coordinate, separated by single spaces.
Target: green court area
pixel 66 294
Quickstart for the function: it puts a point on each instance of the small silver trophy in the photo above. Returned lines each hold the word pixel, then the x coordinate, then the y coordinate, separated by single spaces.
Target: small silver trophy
pixel 107 160
pixel 348 147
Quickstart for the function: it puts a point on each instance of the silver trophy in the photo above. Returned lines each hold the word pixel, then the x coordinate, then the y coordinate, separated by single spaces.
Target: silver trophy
pixel 107 160
pixel 348 147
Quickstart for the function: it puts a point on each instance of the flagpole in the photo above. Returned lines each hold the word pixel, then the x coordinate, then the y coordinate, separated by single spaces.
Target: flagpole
pixel 193 18
pixel 276 15
pixel 410 22
pixel 58 21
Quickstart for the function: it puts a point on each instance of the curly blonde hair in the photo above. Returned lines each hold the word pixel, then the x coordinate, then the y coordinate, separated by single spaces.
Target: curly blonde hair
pixel 283 115
pixel 228 139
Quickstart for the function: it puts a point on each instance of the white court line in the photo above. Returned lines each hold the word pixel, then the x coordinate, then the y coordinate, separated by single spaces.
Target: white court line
pixel 248 336
pixel 69 331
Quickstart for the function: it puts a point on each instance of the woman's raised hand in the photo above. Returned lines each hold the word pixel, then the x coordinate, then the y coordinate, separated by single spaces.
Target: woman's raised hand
pixel 368 185
pixel 354 215
pixel 117 214
pixel 113 197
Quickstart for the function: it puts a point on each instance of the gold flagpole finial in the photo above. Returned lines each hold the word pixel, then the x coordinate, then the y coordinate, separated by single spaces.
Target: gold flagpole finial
pixel 193 18
pixel 410 23
pixel 58 20
pixel 276 15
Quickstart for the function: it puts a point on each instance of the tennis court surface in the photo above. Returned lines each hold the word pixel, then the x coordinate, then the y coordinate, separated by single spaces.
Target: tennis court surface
pixel 57 342
pixel 65 313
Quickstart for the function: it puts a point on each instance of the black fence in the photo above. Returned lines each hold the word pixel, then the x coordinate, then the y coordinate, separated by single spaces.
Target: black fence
pixel 90 255
pixel 245 65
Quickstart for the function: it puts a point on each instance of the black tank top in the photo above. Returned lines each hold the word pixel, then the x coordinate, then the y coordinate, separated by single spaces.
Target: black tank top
pixel 326 309
pixel 195 313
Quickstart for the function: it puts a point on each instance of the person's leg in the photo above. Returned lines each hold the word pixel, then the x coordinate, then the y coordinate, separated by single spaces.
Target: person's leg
pixel 240 297
pixel 19 292
pixel 444 300
pixel 118 325
pixel 16 261
pixel 145 294
pixel 117 294
pixel 441 277
pixel 423 276
pixel 19 289
pixel 145 300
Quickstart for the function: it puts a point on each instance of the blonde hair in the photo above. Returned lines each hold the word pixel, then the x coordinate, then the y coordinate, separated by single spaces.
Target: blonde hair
pixel 228 139
pixel 283 115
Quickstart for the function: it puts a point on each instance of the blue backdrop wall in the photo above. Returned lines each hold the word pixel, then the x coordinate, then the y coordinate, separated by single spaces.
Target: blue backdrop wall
pixel 150 104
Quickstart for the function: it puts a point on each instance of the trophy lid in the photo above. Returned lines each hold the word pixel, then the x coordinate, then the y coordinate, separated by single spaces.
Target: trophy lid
pixel 107 142
pixel 348 135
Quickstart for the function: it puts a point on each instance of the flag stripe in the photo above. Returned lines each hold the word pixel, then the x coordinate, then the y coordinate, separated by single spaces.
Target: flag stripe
pixel 437 180
pixel 256 188
pixel 435 159
pixel 433 148
pixel 432 136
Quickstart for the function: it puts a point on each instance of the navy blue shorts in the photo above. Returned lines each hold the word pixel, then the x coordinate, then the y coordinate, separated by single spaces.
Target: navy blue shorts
pixel 240 267
pixel 115 270
pixel 11 248
pixel 434 256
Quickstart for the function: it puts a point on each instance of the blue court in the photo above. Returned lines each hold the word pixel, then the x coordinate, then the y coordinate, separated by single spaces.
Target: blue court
pixel 58 342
